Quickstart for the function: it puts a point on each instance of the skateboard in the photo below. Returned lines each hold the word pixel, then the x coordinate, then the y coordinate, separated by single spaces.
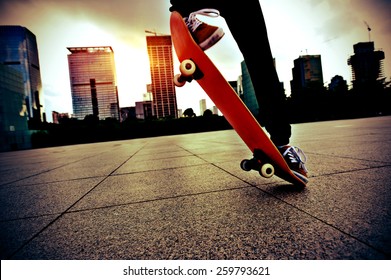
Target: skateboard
pixel 196 65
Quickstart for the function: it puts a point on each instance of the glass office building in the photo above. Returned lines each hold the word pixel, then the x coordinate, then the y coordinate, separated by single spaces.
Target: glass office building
pixel 93 82
pixel 162 75
pixel 14 132
pixel 307 74
pixel 19 50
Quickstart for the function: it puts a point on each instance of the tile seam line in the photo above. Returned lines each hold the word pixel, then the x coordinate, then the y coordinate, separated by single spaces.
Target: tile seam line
pixel 349 171
pixel 24 244
pixel 326 223
pixel 129 203
pixel 158 199
pixel 46 171
pixel 347 157
pixel 307 213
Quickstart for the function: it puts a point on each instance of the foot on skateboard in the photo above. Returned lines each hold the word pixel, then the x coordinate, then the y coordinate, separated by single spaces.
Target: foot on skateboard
pixel 204 35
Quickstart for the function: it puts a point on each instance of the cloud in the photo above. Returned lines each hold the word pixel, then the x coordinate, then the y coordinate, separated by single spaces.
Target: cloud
pixel 117 16
pixel 378 14
pixel 337 21
pixel 326 27
pixel 350 15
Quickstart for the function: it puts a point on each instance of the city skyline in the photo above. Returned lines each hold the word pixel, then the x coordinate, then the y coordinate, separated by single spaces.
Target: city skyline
pixel 329 28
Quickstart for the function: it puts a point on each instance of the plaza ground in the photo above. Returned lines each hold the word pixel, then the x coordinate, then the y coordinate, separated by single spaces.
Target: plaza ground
pixel 186 197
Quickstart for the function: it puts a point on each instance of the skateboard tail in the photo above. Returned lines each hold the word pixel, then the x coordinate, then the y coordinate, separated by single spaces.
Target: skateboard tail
pixel 249 130
pixel 246 131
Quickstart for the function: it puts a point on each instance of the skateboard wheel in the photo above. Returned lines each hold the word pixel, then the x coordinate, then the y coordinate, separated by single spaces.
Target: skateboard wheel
pixel 267 170
pixel 187 67
pixel 245 165
pixel 178 81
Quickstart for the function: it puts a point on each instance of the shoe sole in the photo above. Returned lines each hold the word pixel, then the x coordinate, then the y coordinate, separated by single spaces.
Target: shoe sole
pixel 300 176
pixel 212 40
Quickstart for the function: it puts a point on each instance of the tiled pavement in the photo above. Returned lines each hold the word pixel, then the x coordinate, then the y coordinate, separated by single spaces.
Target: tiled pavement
pixel 185 197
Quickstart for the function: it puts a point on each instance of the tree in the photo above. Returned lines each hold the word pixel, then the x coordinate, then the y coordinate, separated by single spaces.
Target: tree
pixel 189 113
pixel 207 113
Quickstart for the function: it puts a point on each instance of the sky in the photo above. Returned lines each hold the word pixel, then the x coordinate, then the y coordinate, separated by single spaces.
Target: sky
pixel 326 27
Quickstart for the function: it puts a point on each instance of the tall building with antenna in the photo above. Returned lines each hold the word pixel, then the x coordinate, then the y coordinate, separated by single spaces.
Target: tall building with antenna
pixel 369 31
pixel 162 74
pixel 367 65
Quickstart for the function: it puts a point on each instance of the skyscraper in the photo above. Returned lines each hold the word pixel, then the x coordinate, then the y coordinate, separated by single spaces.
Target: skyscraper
pixel 162 74
pixel 93 82
pixel 248 95
pixel 367 65
pixel 202 106
pixel 19 50
pixel 307 74
pixel 14 132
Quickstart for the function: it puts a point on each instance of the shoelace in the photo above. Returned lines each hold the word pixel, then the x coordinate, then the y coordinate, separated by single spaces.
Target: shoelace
pixel 296 155
pixel 192 22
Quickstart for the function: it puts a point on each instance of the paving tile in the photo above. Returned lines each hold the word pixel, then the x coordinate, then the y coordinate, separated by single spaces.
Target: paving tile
pixel 14 234
pixel 137 165
pixel 186 197
pixel 356 202
pixel 239 224
pixel 159 184
pixel 19 202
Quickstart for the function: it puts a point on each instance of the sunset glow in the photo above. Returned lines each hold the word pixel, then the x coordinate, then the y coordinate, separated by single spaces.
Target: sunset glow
pixel 329 28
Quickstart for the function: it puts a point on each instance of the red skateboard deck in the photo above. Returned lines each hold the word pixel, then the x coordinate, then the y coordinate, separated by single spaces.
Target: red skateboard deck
pixel 195 64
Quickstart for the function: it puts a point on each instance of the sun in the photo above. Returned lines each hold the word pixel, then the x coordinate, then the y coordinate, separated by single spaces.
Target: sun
pixel 131 60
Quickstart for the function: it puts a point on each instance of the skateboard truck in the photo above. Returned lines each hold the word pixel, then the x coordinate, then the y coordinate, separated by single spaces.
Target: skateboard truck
pixel 258 163
pixel 189 72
